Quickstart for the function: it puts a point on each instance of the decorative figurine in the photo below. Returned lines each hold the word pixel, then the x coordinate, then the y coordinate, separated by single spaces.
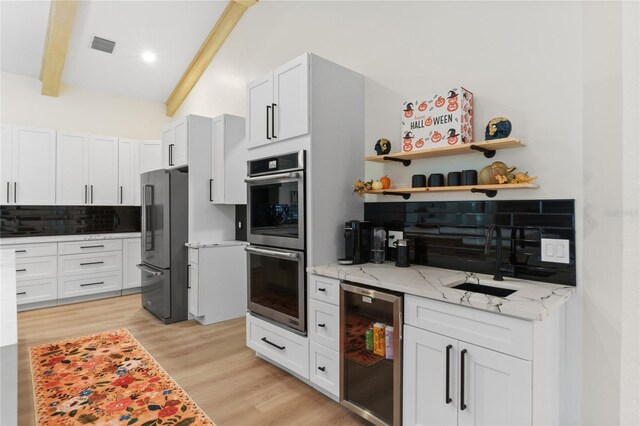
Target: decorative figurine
pixel 498 172
pixel 499 127
pixel 383 147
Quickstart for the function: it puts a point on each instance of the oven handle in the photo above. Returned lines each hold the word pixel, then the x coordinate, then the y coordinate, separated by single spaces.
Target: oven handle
pixel 272 253
pixel 291 175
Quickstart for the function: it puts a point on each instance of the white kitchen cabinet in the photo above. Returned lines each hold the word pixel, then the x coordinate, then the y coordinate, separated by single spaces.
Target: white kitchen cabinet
pixel 72 164
pixel 278 104
pixel 131 275
pixel 218 282
pixel 28 165
pixel 499 379
pixel 103 170
pixel 175 144
pixel 128 171
pixel 229 160
pixel 149 158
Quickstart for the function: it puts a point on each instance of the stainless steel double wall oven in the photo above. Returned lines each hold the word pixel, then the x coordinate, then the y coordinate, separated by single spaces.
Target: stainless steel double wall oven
pixel 276 233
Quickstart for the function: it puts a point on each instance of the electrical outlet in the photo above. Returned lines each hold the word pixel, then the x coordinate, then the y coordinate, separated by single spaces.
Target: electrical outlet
pixel 394 236
pixel 556 251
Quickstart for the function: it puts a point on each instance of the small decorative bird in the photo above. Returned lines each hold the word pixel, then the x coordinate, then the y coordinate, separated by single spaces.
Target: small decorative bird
pixel 383 146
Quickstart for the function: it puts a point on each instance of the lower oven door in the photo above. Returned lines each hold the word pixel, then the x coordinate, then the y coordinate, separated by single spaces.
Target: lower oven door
pixel 277 285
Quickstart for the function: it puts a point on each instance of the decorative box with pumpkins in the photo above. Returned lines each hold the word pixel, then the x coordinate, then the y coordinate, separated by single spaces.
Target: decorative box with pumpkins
pixel 443 119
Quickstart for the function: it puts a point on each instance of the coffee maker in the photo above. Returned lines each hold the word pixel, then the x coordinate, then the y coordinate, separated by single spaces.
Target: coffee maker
pixel 357 241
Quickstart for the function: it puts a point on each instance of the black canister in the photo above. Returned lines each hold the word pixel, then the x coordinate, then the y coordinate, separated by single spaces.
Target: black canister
pixel 402 257
pixel 469 177
pixel 418 181
pixel 453 178
pixel 436 179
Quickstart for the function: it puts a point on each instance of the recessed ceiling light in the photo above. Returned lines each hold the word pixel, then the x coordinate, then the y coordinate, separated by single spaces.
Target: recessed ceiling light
pixel 148 57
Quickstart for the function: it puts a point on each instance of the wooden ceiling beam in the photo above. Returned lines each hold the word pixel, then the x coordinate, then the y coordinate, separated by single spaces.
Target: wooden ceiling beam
pixel 220 31
pixel 62 15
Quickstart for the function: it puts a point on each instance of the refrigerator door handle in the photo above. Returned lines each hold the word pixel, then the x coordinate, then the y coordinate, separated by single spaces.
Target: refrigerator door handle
pixel 148 270
pixel 147 217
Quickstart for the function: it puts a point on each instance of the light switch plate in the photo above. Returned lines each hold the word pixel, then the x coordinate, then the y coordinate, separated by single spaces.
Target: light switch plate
pixel 394 236
pixel 553 250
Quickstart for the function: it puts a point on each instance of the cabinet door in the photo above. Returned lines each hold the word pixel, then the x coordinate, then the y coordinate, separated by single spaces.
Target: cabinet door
pixel 72 169
pixel 6 182
pixel 425 397
pixel 497 388
pixel 180 153
pixel 149 158
pixel 103 171
pixel 259 100
pixel 218 161
pixel 131 275
pixel 194 290
pixel 291 99
pixel 168 137
pixel 235 160
pixel 34 166
pixel 127 171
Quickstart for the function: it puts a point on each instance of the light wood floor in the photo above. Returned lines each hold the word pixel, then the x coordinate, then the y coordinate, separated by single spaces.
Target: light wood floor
pixel 211 363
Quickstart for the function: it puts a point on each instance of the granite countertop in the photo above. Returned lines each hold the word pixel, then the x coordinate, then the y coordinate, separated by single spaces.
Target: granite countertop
pixel 199 245
pixel 532 301
pixel 65 238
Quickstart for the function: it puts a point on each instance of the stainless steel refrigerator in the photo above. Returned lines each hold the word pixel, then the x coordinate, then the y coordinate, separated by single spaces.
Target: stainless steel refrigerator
pixel 164 234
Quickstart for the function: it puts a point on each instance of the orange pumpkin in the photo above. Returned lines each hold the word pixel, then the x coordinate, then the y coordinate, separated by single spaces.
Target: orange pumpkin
pixel 407 147
pixel 422 106
pixel 439 101
pixel 452 140
pixel 428 121
pixel 452 107
pixel 437 137
pixel 386 182
pixel 420 143
pixel 408 113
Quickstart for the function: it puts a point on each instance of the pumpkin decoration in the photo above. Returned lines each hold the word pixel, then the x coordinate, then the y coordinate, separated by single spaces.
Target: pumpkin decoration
pixel 499 127
pixel 452 106
pixel 436 137
pixel 408 111
pixel 422 106
pixel 376 184
pixel 522 178
pixel 428 121
pixel 439 101
pixel 489 174
pixel 386 182
pixel 383 146
pixel 360 186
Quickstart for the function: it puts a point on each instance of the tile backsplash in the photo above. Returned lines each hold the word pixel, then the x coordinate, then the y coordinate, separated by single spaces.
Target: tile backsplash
pixel 451 234
pixel 26 221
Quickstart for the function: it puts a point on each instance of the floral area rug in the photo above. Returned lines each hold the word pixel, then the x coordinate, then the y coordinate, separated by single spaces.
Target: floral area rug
pixel 107 379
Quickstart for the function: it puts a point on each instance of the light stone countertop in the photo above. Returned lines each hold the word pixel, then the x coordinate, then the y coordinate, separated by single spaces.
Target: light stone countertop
pixel 66 238
pixel 532 301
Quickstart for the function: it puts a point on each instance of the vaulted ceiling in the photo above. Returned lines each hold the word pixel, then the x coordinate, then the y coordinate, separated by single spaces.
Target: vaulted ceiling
pixel 172 30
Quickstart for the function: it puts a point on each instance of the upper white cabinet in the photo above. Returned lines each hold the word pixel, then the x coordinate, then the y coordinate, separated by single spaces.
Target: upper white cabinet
pixel 128 171
pixel 278 104
pixel 175 146
pixel 228 162
pixel 28 165
pixel 149 158
pixel 87 170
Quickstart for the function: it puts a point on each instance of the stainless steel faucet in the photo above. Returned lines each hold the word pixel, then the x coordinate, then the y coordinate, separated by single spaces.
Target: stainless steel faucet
pixel 497 275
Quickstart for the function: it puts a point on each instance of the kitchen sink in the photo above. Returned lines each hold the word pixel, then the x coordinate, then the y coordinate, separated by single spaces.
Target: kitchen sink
pixel 485 289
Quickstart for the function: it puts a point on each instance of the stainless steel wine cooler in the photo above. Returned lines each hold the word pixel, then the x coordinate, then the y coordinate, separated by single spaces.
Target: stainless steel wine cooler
pixel 371 353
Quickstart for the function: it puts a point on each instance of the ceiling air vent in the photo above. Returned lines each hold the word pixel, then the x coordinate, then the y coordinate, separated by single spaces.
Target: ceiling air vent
pixel 103 45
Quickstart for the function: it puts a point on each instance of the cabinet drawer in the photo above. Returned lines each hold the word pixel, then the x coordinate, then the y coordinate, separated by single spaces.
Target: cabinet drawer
pixel 34 250
pixel 324 289
pixel 324 324
pixel 76 264
pixel 88 284
pixel 36 291
pixel 33 268
pixel 324 368
pixel 280 346
pixel 94 246
pixel 193 255
pixel 497 332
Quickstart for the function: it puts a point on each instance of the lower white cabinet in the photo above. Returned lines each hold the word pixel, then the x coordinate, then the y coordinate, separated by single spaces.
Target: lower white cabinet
pixel 324 368
pixel 468 367
pixel 34 291
pixel 324 324
pixel 281 346
pixel 82 285
pixel 449 382
pixel 131 275
pixel 217 282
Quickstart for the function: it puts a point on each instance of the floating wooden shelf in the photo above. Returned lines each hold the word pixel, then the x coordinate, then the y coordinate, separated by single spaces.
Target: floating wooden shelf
pixel 487 147
pixel 489 190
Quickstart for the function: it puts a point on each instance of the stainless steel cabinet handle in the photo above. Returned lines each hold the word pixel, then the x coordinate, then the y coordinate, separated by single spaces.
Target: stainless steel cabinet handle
pixel 276 176
pixel 8 191
pixel 96 283
pixel 85 194
pixel 15 192
pixel 188 276
pixel 149 270
pixel 92 263
pixel 121 199
pixel 211 190
pixel 96 246
pixel 171 154
pixel 91 194
pixel 272 253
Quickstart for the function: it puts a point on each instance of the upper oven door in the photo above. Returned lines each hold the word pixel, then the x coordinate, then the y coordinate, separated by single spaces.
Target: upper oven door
pixel 275 210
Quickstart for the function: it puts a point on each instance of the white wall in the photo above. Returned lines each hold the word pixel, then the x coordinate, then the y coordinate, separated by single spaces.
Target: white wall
pixel 78 109
pixel 553 68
